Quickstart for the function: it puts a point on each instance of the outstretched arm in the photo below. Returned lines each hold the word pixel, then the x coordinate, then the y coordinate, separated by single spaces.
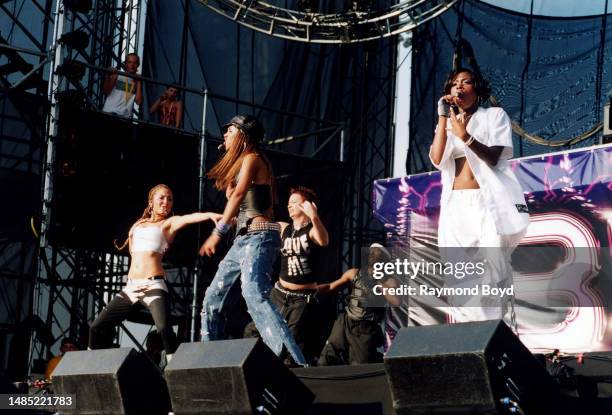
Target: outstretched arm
pixel 179 222
pixel 333 286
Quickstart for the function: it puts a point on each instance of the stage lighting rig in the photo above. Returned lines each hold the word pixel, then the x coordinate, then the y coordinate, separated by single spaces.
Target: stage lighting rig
pixel 77 39
pixel 359 23
pixel 72 70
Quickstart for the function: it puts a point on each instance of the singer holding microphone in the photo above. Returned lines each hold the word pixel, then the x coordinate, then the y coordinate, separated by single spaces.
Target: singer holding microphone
pixel 245 174
pixel 482 203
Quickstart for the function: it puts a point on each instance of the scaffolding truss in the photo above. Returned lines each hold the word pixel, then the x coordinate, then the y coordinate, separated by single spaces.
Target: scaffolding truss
pixel 73 284
pixel 370 150
pixel 351 26
pixel 23 108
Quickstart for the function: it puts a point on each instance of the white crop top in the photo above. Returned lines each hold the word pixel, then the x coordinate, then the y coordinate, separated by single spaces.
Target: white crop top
pixel 149 238
pixel 458 150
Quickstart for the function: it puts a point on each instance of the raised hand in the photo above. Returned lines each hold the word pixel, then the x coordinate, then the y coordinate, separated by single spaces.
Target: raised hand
pixel 444 104
pixel 459 124
pixel 309 208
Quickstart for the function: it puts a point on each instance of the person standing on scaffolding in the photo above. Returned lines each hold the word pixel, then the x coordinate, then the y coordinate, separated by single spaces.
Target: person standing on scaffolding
pixel 122 91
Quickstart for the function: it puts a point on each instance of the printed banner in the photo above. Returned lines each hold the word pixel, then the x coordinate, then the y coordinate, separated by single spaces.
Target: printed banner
pixel 562 298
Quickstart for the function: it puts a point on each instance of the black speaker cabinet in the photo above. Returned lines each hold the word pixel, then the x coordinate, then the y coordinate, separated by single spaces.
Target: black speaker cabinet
pixel 348 390
pixel 112 381
pixel 467 368
pixel 233 377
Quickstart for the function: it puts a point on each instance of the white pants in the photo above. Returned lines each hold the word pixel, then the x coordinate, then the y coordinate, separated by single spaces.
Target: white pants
pixel 144 289
pixel 465 223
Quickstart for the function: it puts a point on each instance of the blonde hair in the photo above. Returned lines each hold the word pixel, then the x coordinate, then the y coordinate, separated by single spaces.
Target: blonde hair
pixel 146 214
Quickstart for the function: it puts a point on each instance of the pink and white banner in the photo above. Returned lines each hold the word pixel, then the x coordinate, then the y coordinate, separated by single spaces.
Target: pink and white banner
pixel 563 297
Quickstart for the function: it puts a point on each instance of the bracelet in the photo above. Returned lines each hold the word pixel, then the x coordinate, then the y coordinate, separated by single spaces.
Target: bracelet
pixel 217 232
pixel 469 141
pixel 222 227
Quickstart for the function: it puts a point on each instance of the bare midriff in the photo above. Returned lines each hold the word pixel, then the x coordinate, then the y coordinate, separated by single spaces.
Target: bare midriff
pixel 296 287
pixel 464 177
pixel 146 264
pixel 260 218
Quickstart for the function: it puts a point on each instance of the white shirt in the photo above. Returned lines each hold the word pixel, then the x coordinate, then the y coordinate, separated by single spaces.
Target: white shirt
pixel 120 101
pixel 502 193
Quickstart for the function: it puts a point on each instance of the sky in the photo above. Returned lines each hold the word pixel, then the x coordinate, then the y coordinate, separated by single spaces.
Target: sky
pixel 556 8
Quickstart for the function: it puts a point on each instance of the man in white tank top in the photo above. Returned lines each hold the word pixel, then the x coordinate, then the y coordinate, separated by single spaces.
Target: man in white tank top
pixel 122 91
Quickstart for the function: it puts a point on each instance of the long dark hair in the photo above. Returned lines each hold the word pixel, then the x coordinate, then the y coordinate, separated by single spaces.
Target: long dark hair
pixel 481 86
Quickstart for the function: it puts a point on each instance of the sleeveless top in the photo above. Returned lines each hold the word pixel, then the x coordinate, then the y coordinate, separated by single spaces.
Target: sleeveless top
pixel 360 297
pixel 256 202
pixel 149 238
pixel 167 116
pixel 299 255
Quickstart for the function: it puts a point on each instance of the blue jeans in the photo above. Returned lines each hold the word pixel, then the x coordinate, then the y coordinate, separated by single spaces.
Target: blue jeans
pixel 251 258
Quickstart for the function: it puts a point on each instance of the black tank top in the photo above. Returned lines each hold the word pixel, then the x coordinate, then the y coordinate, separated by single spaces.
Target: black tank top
pixel 256 202
pixel 299 256
pixel 360 305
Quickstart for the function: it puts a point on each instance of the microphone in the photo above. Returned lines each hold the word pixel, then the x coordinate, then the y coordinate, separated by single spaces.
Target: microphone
pixel 453 105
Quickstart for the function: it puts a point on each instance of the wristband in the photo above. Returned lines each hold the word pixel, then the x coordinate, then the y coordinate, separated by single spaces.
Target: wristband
pixel 469 141
pixel 222 227
pixel 443 108
pixel 216 231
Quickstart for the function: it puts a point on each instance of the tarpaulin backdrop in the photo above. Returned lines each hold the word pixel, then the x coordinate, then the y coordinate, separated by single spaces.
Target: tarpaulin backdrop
pixel 569 195
pixel 326 82
pixel 551 75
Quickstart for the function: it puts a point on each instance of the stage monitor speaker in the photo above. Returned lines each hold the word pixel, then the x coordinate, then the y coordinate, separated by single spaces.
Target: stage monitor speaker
pixel 233 377
pixel 466 368
pixel 348 390
pixel 112 381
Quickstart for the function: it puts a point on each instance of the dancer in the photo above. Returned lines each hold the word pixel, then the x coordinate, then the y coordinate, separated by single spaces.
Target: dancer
pixel 294 294
pixel 148 240
pixel 246 176
pixel 356 333
pixel 482 202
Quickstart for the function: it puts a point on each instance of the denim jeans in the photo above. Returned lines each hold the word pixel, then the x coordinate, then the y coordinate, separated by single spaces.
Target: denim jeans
pixel 251 258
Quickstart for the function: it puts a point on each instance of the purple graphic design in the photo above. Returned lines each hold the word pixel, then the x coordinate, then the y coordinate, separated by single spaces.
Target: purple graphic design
pixel 569 195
